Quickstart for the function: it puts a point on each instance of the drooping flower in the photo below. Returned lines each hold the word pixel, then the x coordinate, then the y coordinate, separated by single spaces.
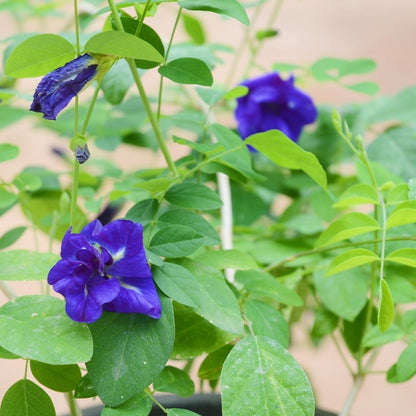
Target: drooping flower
pixel 57 88
pixel 105 267
pixel 273 103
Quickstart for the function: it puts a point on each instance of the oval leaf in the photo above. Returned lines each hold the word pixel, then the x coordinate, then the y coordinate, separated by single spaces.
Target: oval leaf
pixel 270 381
pixel 123 45
pixel 405 256
pixel 403 214
pixel 347 226
pixel 358 195
pixel 130 350
pixel 351 258
pixel 286 153
pixel 192 195
pixel 386 308
pixel 37 327
pixel 39 55
pixel 187 71
pixel 25 398
pixel 8 152
pixel 176 381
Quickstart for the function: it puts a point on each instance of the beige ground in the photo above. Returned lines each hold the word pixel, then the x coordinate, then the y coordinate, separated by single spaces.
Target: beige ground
pixel 383 30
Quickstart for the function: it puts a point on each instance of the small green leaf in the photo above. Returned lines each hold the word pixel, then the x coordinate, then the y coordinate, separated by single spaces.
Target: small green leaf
pixel 178 283
pixel 403 214
pixel 328 68
pixel 368 88
pixel 193 28
pixel 236 92
pixel 263 284
pixel 187 71
pixel 225 259
pixel 176 381
pixel 406 364
pixel 123 45
pixel 350 259
pixel 38 328
pixel 386 307
pixel 7 198
pixel 192 195
pixel 268 321
pixel 231 8
pixel 286 153
pixel 347 226
pixel 374 337
pixel 143 212
pixel 25 265
pixel 116 82
pixel 25 398
pixel 270 382
pixel 138 405
pixel 211 367
pixel 11 236
pixel 8 152
pixel 181 412
pixel 39 55
pixel 175 241
pixel 405 256
pixel 61 378
pixel 358 195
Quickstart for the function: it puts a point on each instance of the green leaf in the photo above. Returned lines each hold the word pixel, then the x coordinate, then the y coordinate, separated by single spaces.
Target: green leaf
pixel 116 82
pixel 268 321
pixel 187 71
pixel 353 331
pixel 374 337
pixel 61 378
pixel 8 152
pixel 39 55
pixel 195 221
pixel 25 181
pixel 403 214
pixel 350 259
pixel 218 304
pixel 367 87
pixel 344 294
pixel 358 195
pixel 236 92
pixel 405 256
pixel 347 226
pixel 406 364
pixel 178 283
pixel 225 259
pixel 138 405
pixel 123 45
pixel 192 195
pixel 181 412
pixel 211 367
pixel 143 212
pixel 11 236
pixel 231 8
pixel 7 354
pixel 26 265
pixel 286 153
pixel 176 381
pixel 270 382
pixel 37 327
pixel 324 324
pixel 193 28
pixel 263 284
pixel 175 241
pixel 7 198
pixel 130 350
pixel 386 307
pixel 328 68
pixel 195 335
pixel 25 398
pixel 401 287
pixel 84 388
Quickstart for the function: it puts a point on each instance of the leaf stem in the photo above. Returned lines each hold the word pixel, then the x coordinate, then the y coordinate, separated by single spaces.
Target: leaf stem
pixel 155 125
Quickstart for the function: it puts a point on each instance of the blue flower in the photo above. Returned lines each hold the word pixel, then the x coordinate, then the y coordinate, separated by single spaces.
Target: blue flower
pixel 105 267
pixel 57 88
pixel 273 103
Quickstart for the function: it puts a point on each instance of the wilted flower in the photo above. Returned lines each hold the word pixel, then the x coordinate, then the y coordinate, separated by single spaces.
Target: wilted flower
pixel 57 88
pixel 273 103
pixel 105 267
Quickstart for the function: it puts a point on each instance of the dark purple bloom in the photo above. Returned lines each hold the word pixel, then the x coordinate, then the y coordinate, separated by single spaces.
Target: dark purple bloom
pixel 57 88
pixel 105 267
pixel 273 103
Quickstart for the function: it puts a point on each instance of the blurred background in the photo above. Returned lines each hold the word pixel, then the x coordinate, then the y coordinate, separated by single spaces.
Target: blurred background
pixel 308 30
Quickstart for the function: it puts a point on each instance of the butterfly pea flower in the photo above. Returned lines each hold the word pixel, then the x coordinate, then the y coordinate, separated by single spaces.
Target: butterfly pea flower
pixel 105 267
pixel 273 103
pixel 57 88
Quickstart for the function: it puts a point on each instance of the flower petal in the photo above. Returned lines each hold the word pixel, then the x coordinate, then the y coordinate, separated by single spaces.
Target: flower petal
pixel 136 296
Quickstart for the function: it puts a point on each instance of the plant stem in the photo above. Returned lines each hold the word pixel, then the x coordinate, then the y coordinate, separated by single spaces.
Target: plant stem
pixel 76 27
pixel 73 408
pixel 91 107
pixel 143 96
pixel 159 99
pixel 74 193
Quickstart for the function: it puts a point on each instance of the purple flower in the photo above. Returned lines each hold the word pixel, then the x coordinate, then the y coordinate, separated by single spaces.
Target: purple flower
pixel 57 88
pixel 273 103
pixel 105 267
